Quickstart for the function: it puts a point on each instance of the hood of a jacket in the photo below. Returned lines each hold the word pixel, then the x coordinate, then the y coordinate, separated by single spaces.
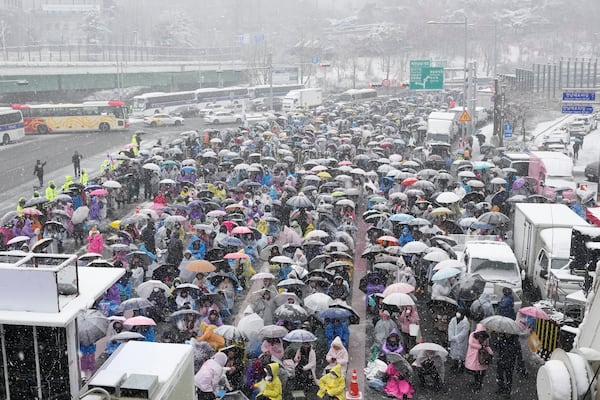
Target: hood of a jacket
pixel 274 369
pixel 220 358
pixel 337 342
pixel 337 368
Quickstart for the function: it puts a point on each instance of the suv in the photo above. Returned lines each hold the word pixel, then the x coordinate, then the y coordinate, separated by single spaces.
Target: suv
pixel 223 117
pixel 496 263
pixel 579 128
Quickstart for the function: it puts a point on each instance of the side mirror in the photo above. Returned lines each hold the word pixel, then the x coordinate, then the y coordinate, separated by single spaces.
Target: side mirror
pixel 543 274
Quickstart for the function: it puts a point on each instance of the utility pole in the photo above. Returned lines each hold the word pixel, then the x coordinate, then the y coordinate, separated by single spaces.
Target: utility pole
pixel 270 61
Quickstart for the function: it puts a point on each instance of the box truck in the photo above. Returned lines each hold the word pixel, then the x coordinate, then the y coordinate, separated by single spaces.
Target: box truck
pixel 542 242
pixel 302 98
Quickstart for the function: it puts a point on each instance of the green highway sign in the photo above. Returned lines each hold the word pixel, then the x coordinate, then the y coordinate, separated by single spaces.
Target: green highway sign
pixel 425 77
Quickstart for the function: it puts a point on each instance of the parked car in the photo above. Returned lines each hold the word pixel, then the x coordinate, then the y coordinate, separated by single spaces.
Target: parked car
pixel 223 117
pixel 211 109
pixel 163 120
pixel 186 111
pixel 591 171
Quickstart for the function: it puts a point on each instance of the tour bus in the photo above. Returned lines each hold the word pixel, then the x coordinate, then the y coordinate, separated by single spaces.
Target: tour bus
pixel 90 116
pixel 264 91
pixel 11 125
pixel 357 95
pixel 147 104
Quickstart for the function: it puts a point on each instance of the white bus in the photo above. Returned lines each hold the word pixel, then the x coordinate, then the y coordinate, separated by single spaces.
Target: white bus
pixel 147 104
pixel 11 125
pixel 357 95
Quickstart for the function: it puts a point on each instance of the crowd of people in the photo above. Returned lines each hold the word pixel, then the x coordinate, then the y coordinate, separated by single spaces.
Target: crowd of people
pixel 269 214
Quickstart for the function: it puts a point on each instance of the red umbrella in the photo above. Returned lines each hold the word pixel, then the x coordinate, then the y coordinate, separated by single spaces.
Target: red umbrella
pixel 229 225
pixel 534 312
pixel 139 321
pixel 409 181
pixel 387 238
pixel 241 230
pixel 236 256
pixel 99 192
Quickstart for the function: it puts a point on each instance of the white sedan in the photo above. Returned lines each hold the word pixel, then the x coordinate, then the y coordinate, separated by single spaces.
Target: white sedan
pixel 163 120
pixel 223 117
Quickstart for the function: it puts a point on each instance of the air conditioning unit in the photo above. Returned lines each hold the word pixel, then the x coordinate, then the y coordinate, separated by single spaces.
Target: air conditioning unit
pixel 138 386
pixel 108 380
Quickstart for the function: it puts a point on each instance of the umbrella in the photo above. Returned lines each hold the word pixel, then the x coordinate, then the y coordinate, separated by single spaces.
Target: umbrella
pixel 231 241
pixel 414 247
pixel 281 260
pixel 272 331
pixel 182 313
pixel 167 181
pixel 145 289
pixel 400 287
pixel 518 183
pixel 399 300
pixel 89 256
pixel 119 247
pixel 135 303
pixel 99 192
pixel 386 238
pixel 36 201
pixel 386 266
pixel 290 282
pixel 317 302
pixel 151 167
pixel 502 324
pixel 282 298
pixel 498 181
pixel 9 216
pixel 449 264
pixel 250 325
pixel 469 287
pixel 31 211
pixel 445 273
pixel 494 218
pixel 142 255
pixel 111 184
pixel 447 198
pixel 336 246
pixel 139 320
pixel 91 326
pixel 401 217
pixel 262 275
pixel 429 347
pixel 236 256
pixel 401 364
pixel 316 234
pixel 41 245
pixel 290 312
pixel 200 266
pixel 300 201
pixel 354 317
pixel 18 239
pixel 335 313
pixel 436 256
pixel 80 214
pixel 101 263
pixel 127 335
pixel 441 211
pixel 534 312
pixel 241 230
pixel 230 332
pixel 300 336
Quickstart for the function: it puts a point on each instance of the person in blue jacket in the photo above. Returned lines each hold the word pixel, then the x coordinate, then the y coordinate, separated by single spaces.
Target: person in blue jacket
pixel 337 328
pixel 405 236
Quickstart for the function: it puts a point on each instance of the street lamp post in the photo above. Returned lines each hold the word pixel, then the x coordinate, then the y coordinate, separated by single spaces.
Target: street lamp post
pixel 465 23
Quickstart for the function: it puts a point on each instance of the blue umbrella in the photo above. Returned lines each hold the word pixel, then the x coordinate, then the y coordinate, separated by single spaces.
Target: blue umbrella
pixel 445 273
pixel 335 313
pixel 299 336
pixel 401 217
pixel 232 241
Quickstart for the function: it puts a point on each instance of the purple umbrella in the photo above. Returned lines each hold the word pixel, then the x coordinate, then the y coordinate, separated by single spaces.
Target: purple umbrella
pixel 519 183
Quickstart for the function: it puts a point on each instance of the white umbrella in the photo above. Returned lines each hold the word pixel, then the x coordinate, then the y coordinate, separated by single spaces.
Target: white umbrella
pixel 316 234
pixel 111 184
pixel 317 302
pixel 399 300
pixel 414 247
pixel 151 167
pixel 80 215
pixel 250 325
pixel 167 181
pixel 447 198
pixel 436 256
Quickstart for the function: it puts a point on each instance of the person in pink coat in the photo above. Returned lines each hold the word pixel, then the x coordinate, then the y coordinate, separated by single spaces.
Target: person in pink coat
pixel 397 385
pixel 273 347
pixel 406 318
pixel 478 339
pixel 95 241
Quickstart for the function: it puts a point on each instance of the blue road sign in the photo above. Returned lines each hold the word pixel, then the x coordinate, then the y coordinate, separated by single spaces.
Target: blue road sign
pixel 508 131
pixel 579 96
pixel 577 109
pixel 315 60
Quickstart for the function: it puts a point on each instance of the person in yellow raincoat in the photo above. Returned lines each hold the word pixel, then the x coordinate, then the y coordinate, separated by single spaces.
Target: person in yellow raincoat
pixel 218 190
pixel 68 182
pixel 51 191
pixel 262 226
pixel 270 386
pixel 83 177
pixel 216 341
pixel 333 384
pixel 21 204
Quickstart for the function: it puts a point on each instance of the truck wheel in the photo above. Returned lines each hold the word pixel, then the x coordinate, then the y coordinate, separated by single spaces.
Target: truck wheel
pixel 5 139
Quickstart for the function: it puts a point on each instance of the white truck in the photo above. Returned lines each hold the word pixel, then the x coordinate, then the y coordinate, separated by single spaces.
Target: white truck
pixel 441 127
pixel 542 244
pixel 302 98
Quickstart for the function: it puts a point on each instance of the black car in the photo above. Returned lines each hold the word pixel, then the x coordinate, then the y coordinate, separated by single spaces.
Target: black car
pixel 591 171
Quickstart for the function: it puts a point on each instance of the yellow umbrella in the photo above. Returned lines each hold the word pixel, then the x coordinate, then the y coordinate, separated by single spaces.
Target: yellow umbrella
pixel 441 211
pixel 115 224
pixel 324 175
pixel 338 193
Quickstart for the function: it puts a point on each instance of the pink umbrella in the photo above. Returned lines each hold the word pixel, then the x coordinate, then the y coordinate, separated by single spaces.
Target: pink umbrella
pixel 290 236
pixel 236 256
pixel 99 192
pixel 400 287
pixel 534 312
pixel 139 321
pixel 31 211
pixel 241 230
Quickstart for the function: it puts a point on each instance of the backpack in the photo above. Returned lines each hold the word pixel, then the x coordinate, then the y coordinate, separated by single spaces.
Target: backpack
pixel 477 312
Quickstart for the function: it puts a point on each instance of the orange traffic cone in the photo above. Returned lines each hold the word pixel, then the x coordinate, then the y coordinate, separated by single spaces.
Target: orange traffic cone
pixel 354 392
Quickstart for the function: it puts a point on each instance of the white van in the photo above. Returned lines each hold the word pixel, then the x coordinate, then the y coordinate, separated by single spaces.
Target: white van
pixel 497 264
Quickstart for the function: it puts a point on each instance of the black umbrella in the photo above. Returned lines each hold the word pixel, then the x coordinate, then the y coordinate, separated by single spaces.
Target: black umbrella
pixel 468 288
